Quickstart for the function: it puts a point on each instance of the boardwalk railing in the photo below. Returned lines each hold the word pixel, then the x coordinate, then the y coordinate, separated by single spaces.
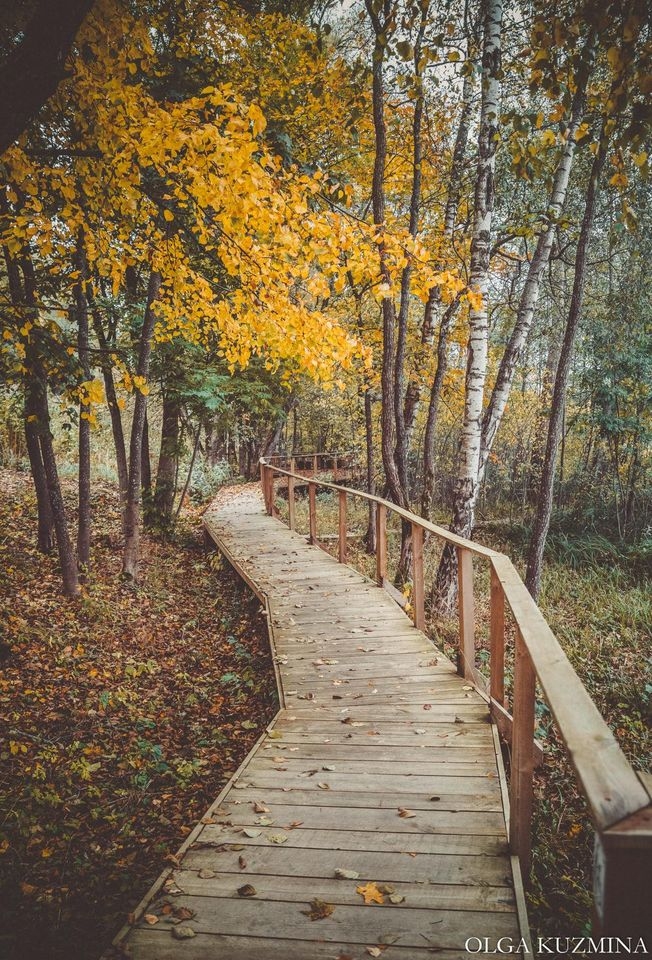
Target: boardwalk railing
pixel 619 802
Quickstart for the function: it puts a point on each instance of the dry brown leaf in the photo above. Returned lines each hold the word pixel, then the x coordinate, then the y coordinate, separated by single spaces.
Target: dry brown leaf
pixel 184 913
pixel 295 824
pixel 323 786
pixel 242 863
pixel 319 909
pixel 370 893
pixel 405 813
pixel 247 891
pixel 151 919
pixel 206 874
pixel 260 807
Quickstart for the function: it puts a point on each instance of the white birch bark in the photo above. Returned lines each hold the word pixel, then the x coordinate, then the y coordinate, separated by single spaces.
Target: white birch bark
pixel 466 482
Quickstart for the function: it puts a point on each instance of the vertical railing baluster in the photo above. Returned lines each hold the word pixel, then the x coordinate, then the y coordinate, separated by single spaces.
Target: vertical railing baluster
pixel 522 765
pixel 466 612
pixel 312 509
pixel 417 577
pixel 381 543
pixel 497 640
pixel 341 553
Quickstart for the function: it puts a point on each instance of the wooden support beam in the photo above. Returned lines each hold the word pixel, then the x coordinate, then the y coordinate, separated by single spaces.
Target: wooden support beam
pixel 466 660
pixel 522 767
pixel 418 614
pixel 497 640
pixel 292 520
pixel 341 552
pixel 312 508
pixel 381 543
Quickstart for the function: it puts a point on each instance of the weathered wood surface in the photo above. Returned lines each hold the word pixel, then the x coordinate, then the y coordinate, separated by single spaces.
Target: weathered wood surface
pixel 381 761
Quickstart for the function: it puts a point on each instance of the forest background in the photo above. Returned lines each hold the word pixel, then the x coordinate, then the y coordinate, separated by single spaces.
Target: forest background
pixel 416 233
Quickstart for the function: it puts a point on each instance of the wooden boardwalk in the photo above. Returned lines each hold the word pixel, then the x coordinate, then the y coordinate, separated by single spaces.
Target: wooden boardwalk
pixel 381 766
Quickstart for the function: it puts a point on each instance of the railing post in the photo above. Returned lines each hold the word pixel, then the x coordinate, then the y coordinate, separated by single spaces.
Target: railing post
pixel 342 527
pixel 522 765
pixel 466 662
pixel 381 543
pixel 291 505
pixel 312 509
pixel 315 461
pixel 417 576
pixel 272 506
pixel 622 877
pixel 264 481
pixel 497 640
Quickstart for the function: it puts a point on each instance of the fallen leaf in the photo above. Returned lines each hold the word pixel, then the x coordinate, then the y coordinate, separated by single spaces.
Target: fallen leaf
pixel 247 891
pixel 375 951
pixel 206 874
pixel 396 898
pixel 151 919
pixel 370 893
pixel 427 706
pixel 184 913
pixel 260 807
pixel 328 768
pixel 319 910
pixel 242 863
pixel 183 933
pixel 405 813
pixel 386 888
pixel 277 838
pixel 251 833
pixel 342 874
pixel 275 735
pixel 419 731
pixel 323 786
pixel 295 824
pixel 265 821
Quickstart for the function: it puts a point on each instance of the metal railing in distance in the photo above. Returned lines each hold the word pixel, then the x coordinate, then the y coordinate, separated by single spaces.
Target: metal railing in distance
pixel 619 802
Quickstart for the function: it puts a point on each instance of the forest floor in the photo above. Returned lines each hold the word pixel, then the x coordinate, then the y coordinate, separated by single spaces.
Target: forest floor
pixel 121 717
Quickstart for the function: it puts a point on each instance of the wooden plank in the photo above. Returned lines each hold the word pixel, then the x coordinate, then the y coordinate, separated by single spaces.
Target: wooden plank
pixel 158 943
pixel 425 868
pixel 497 640
pixel 293 889
pixel 415 760
pixel 369 799
pixel 363 782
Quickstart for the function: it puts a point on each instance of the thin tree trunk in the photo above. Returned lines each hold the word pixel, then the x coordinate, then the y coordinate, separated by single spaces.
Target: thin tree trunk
pixel 117 429
pixel 388 423
pixel 84 476
pixel 370 537
pixel 189 476
pixel 44 511
pixel 165 489
pixel 555 425
pixel 466 482
pixel 132 505
pixel 39 398
pixel 146 476
pixel 433 410
pixel 530 294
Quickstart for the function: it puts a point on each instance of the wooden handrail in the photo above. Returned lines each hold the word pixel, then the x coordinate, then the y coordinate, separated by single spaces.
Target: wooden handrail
pixel 619 802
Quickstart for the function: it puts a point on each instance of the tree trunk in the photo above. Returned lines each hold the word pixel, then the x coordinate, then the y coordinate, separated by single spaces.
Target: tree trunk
pixel 555 425
pixel 84 476
pixel 39 398
pixel 530 294
pixel 370 536
pixel 466 481
pixel 433 411
pixel 114 410
pixel 30 417
pixel 132 505
pixel 166 473
pixel 388 423
pixel 146 476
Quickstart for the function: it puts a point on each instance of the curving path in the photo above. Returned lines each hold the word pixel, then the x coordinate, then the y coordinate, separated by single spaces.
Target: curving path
pixel 380 771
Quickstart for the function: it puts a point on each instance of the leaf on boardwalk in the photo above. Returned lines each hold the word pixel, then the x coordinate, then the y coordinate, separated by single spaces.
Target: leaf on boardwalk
pixel 396 898
pixel 323 786
pixel 370 893
pixel 183 932
pixel 151 919
pixel 265 821
pixel 184 913
pixel 277 838
pixel 247 891
pixel 251 833
pixel 376 951
pixel 328 768
pixel 319 909
pixel 206 874
pixel 275 735
pixel 342 874
pixel 242 863
pixel 419 731
pixel 260 807
pixel 405 813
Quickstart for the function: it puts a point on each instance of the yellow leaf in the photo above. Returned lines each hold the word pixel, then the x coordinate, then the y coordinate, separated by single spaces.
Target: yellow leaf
pixel 168 215
pixel 370 893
